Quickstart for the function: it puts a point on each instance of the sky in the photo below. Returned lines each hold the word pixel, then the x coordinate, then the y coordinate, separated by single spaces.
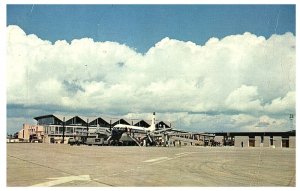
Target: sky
pixel 202 67
pixel 142 26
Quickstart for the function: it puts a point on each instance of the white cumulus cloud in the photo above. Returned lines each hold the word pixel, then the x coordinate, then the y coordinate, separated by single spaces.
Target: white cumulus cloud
pixel 239 73
pixel 244 98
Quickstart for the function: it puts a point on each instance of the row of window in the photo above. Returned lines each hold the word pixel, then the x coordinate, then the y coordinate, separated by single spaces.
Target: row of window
pixel 271 138
pixel 68 130
pixel 76 121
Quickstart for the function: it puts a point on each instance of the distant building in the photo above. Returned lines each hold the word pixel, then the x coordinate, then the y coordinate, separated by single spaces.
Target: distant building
pixel 12 138
pixel 257 139
pixel 31 133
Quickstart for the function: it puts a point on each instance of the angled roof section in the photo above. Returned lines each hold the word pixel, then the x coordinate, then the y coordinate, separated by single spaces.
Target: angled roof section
pixel 43 116
pixel 127 120
pixel 61 117
pixel 142 123
pixel 109 119
pixel 83 118
pixel 92 119
pixel 99 121
pixel 113 120
pixel 121 121
pixel 162 124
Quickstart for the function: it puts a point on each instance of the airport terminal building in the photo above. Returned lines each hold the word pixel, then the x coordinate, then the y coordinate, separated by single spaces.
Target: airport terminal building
pixel 53 126
pixel 50 129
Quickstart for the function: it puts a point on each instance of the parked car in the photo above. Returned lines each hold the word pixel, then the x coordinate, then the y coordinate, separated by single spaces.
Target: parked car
pixel 96 141
pixel 74 141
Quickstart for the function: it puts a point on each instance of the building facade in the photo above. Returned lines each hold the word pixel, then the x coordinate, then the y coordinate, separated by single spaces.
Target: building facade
pixel 31 133
pixel 258 139
pixel 58 129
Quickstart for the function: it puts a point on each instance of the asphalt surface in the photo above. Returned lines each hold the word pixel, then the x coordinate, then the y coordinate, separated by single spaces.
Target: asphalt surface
pixel 37 164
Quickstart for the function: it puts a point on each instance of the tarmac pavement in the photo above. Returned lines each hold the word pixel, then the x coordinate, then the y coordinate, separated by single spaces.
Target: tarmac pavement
pixel 38 164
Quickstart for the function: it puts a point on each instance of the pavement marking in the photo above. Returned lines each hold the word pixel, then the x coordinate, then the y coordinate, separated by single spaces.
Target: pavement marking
pixel 184 154
pixel 61 180
pixel 181 153
pixel 156 159
pixel 163 159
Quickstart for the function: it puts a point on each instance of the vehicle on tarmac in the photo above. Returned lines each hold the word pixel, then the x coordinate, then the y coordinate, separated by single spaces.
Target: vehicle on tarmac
pixel 96 141
pixel 74 141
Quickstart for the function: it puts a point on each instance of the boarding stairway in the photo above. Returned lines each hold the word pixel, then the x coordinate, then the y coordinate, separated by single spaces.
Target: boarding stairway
pixel 184 140
pixel 104 131
pixel 134 139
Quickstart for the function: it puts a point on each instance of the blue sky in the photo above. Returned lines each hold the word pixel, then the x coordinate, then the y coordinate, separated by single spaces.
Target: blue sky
pixel 241 82
pixel 141 26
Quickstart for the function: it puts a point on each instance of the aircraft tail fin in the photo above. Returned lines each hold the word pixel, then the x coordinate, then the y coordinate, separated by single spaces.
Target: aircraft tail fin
pixel 153 123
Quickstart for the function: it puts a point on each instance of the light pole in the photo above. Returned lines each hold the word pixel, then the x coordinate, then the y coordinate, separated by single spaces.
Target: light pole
pixel 291 119
pixel 63 123
pixel 87 129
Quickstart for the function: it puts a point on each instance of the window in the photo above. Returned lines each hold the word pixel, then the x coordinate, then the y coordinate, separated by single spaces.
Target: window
pixel 52 129
pixel 69 129
pixel 46 121
pixel 271 140
pixel 251 141
pixel 61 130
pixel 285 141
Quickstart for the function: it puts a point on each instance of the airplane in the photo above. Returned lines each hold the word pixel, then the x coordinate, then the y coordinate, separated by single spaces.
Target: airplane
pixel 137 128
pixel 150 132
pixel 145 136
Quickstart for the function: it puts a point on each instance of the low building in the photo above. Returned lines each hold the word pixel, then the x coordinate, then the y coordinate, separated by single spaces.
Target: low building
pixel 258 139
pixel 12 138
pixel 31 133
